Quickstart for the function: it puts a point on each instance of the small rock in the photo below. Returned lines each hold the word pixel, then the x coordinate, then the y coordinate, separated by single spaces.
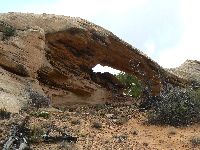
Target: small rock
pixel 72 109
pixel 76 122
pixel 120 138
pixel 109 115
pixel 121 121
pixel 161 141
pixel 172 131
pixel 135 132
pixel 145 144
pixel 97 125
pixel 67 146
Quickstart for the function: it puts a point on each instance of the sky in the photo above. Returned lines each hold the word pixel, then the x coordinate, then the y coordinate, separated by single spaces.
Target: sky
pixel 166 30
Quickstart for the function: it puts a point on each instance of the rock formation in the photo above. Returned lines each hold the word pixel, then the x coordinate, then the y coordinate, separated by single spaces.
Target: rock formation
pixel 189 70
pixel 56 54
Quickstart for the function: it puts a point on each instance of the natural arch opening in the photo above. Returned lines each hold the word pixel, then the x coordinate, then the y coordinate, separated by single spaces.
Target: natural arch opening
pixel 103 69
pixel 133 86
pixel 129 84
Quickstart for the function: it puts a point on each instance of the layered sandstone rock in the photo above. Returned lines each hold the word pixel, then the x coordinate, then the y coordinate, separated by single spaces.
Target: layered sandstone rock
pixel 15 93
pixel 59 52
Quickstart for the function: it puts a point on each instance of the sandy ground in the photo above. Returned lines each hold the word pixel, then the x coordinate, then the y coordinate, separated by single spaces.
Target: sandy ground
pixel 119 126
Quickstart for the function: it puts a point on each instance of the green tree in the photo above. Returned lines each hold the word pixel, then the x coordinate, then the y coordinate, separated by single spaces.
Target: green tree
pixel 132 84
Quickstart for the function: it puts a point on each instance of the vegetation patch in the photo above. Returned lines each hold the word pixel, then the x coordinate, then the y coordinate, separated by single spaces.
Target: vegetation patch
pixel 36 134
pixel 4 114
pixel 176 107
pixel 21 70
pixel 7 30
pixel 195 140
pixel 76 122
pixel 42 114
pixel 97 125
pixel 132 84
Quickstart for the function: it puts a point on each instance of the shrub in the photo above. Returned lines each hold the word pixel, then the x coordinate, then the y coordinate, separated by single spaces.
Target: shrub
pixel 121 120
pixel 38 99
pixel 195 140
pixel 76 122
pixel 196 92
pixel 42 114
pixel 97 125
pixel 176 107
pixel 67 146
pixel 36 134
pixel 4 114
pixel 8 31
pixel 21 70
pixel 133 86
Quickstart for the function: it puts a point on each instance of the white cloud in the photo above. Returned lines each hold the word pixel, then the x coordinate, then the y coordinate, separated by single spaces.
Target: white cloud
pixel 150 47
pixel 86 8
pixel 188 46
pixel 174 57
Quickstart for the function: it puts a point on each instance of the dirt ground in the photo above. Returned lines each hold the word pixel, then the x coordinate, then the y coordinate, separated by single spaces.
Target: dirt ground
pixel 116 126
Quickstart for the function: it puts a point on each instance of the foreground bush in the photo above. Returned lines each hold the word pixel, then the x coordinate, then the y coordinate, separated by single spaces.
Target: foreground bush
pixel 176 107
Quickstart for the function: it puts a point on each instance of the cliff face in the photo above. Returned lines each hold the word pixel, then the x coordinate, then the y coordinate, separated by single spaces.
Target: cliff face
pixel 54 56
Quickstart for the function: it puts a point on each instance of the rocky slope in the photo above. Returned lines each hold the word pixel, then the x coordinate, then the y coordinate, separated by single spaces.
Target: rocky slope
pixel 113 126
pixel 189 70
pixel 50 58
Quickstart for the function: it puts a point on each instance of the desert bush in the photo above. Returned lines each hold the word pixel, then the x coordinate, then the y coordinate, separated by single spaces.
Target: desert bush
pixel 176 107
pixel 21 70
pixel 121 120
pixel 38 99
pixel 196 92
pixel 195 140
pixel 132 84
pixel 67 146
pixel 97 125
pixel 42 114
pixel 76 122
pixel 8 31
pixel 4 114
pixel 36 134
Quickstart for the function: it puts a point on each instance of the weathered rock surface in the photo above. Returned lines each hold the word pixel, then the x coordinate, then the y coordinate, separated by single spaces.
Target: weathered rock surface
pixel 189 70
pixel 14 94
pixel 58 54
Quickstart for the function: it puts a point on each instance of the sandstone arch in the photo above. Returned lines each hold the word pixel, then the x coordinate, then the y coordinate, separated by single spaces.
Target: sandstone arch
pixel 87 47
pixel 60 52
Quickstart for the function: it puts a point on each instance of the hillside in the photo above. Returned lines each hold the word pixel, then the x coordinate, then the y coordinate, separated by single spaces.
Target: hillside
pixel 113 126
pixel 189 70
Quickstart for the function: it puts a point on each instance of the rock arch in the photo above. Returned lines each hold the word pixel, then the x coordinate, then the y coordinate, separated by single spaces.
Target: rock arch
pixel 87 47
pixel 59 53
